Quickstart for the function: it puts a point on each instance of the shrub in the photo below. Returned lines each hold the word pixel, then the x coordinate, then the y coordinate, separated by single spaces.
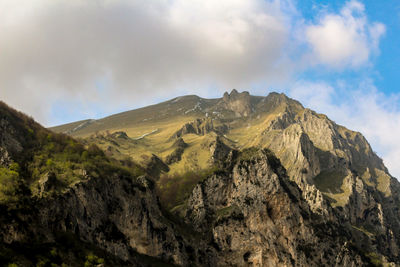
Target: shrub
pixel 93 260
pixel 174 190
pixel 9 180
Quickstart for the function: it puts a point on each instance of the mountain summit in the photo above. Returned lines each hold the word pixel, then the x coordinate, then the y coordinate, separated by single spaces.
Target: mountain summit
pixel 240 103
pixel 235 181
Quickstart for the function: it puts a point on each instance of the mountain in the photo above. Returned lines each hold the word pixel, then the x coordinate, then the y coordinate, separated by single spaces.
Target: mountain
pixel 236 181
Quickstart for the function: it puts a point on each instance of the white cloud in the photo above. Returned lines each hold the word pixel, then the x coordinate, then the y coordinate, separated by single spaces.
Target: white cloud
pixel 60 50
pixel 54 51
pixel 346 39
pixel 360 108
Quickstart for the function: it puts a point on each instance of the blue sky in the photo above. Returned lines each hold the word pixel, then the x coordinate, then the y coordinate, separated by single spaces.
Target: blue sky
pixel 63 61
pixel 385 66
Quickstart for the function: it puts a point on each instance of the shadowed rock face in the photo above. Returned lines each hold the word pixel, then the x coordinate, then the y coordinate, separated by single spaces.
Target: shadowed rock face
pixel 179 147
pixel 155 166
pixel 117 214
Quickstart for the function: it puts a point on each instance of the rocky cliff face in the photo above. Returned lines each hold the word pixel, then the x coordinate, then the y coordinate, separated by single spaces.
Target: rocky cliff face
pixel 322 157
pixel 118 214
pixel 256 216
pixel 250 215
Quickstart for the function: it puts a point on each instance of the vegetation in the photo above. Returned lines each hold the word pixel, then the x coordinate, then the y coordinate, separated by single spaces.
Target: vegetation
pixel 330 181
pixel 331 184
pixel 173 190
pixel 68 250
pixel 249 153
pixel 9 179
pixel 375 259
pixel 227 211
pixel 49 162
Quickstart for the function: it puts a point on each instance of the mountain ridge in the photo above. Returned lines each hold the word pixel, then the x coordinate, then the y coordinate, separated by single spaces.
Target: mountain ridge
pixel 301 189
pixel 192 99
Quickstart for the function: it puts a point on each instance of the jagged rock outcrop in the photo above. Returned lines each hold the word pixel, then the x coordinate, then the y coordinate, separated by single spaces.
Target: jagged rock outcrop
pixel 120 134
pixel 47 183
pixel 239 103
pixel 328 161
pixel 200 127
pixel 220 152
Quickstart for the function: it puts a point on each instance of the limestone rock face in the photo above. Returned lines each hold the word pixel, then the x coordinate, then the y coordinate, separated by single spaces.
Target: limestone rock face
pixel 219 151
pixel 332 164
pixel 256 216
pixel 47 183
pixel 9 144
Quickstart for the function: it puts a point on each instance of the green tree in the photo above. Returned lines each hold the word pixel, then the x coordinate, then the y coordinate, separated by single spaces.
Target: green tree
pixel 8 184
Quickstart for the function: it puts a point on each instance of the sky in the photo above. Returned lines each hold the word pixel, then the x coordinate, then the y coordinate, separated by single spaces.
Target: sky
pixel 63 60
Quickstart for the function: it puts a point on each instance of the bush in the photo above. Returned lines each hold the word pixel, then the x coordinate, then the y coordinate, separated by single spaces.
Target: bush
pixel 248 153
pixel 9 181
pixel 92 260
pixel 175 190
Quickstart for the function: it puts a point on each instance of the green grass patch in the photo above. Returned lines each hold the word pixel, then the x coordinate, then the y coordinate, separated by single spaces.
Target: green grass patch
pixel 375 259
pixel 330 181
pixel 226 212
pixel 249 153
pixel 174 189
pixel 364 231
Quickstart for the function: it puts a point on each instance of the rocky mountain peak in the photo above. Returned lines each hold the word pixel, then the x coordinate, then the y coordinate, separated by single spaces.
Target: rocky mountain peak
pixel 239 103
pixel 278 102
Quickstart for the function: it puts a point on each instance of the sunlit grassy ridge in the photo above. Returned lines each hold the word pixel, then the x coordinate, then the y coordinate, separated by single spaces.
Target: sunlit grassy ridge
pixel 275 122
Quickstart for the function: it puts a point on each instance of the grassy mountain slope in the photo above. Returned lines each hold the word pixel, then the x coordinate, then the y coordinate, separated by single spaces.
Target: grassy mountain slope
pixel 333 166
pixel 246 121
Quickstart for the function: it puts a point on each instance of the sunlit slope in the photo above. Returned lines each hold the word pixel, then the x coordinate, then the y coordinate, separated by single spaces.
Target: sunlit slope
pixel 313 149
pixel 146 118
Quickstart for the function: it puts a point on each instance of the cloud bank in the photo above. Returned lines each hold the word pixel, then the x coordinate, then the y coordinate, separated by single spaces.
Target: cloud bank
pixel 64 49
pixel 108 52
